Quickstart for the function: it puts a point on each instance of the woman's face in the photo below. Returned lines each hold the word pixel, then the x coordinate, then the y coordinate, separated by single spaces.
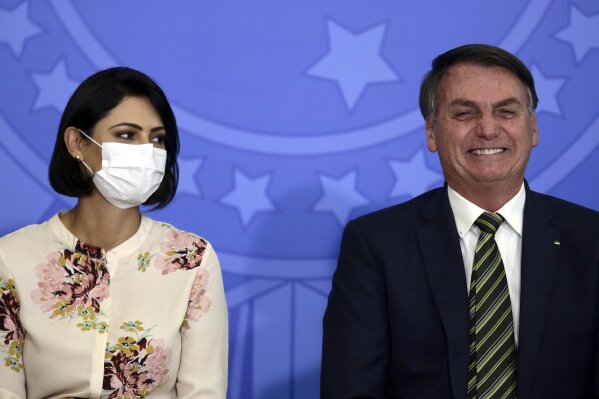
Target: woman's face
pixel 133 121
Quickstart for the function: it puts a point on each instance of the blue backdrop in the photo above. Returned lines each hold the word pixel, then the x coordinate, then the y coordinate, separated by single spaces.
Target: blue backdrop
pixel 295 116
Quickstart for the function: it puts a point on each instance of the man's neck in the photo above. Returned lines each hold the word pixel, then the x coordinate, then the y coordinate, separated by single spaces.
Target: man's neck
pixel 490 197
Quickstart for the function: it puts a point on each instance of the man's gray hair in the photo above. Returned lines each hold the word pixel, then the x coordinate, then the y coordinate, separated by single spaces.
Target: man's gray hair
pixel 477 54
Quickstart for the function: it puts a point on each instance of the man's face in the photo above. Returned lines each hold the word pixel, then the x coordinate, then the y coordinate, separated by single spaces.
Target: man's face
pixel 482 128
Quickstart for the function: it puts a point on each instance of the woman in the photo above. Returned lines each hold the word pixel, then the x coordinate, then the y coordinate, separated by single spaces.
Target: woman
pixel 100 300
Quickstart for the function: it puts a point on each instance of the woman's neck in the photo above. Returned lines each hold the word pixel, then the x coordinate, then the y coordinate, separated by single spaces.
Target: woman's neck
pixel 97 222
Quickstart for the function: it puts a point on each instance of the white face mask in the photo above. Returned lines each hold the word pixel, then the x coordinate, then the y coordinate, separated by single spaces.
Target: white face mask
pixel 130 173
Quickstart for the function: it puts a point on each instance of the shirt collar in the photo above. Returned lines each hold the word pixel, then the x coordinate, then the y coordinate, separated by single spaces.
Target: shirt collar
pixel 465 212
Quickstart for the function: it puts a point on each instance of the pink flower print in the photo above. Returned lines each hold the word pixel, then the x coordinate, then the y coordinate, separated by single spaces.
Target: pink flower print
pixel 147 383
pixel 135 367
pixel 199 302
pixel 182 251
pixel 201 281
pixel 72 284
pixel 102 290
pixel 51 285
pixel 11 330
pixel 157 364
pixel 10 323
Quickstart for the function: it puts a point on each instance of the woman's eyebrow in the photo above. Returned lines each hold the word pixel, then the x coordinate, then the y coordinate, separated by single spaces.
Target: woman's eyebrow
pixel 137 127
pixel 133 125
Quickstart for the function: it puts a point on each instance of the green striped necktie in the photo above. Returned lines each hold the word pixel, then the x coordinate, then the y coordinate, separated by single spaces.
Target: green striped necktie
pixel 492 370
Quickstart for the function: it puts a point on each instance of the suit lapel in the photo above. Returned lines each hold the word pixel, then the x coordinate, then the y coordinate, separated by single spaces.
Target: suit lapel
pixel 538 270
pixel 440 248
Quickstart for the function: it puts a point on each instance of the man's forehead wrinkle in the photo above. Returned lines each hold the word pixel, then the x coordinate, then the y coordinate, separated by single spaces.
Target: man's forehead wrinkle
pixel 508 101
pixel 459 83
pixel 462 102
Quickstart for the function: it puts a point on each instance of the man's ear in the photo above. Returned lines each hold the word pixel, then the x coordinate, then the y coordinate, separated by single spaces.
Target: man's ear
pixel 535 130
pixel 72 139
pixel 430 135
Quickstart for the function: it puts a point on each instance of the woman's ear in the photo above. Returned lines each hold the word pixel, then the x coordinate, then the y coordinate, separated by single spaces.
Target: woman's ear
pixel 72 139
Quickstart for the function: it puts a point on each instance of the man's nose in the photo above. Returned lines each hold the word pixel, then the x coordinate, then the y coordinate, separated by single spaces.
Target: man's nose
pixel 488 127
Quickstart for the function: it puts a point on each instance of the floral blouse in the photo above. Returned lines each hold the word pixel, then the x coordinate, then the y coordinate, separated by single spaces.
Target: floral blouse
pixel 147 318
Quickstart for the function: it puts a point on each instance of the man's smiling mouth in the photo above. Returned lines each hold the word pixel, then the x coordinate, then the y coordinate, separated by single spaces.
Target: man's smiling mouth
pixel 486 151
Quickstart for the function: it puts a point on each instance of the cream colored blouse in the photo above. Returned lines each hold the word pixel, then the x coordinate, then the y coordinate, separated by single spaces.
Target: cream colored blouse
pixel 146 318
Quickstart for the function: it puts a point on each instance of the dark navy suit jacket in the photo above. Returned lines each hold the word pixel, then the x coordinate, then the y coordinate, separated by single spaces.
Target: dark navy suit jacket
pixel 396 325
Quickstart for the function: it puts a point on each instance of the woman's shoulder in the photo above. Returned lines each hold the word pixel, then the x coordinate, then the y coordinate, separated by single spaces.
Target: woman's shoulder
pixel 25 234
pixel 178 249
pixel 167 231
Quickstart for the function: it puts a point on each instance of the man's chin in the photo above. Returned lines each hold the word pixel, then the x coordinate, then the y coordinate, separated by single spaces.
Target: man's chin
pixel 496 179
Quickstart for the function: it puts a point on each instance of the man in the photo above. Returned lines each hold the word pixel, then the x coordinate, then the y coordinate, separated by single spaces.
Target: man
pixel 479 289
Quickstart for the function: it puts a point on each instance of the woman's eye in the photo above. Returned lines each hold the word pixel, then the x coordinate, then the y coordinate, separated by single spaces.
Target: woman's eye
pixel 158 139
pixel 126 135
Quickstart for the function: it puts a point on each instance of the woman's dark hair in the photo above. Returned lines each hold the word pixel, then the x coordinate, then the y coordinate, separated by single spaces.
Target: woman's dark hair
pixel 477 54
pixel 92 101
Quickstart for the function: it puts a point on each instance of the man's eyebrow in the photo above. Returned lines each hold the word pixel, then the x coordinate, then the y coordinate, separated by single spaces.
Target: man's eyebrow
pixel 137 127
pixel 507 101
pixel 462 102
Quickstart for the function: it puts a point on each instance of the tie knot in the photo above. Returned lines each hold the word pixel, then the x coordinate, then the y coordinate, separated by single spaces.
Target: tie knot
pixel 489 222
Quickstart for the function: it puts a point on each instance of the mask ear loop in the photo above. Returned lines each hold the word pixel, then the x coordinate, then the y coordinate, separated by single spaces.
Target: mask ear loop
pixel 87 167
pixel 86 135
pixel 82 161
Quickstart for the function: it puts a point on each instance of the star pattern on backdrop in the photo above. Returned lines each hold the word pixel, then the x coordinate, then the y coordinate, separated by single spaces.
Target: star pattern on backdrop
pixel 340 196
pixel 55 87
pixel 582 32
pixel 249 196
pixel 413 177
pixel 188 169
pixel 16 28
pixel 547 91
pixel 354 61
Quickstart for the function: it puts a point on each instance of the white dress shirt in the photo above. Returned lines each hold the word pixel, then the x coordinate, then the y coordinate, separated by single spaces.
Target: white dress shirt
pixel 508 238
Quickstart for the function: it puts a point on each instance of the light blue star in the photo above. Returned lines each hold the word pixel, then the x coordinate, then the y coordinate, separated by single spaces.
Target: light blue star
pixel 340 196
pixel 547 90
pixel 249 196
pixel 188 169
pixel 55 87
pixel 582 33
pixel 15 28
pixel 354 61
pixel 413 177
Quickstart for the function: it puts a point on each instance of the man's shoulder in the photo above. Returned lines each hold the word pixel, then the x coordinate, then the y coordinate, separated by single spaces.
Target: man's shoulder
pixel 405 214
pixel 566 216
pixel 562 207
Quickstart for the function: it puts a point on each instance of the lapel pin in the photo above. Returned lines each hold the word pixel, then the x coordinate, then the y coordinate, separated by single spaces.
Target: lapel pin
pixel 556 243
